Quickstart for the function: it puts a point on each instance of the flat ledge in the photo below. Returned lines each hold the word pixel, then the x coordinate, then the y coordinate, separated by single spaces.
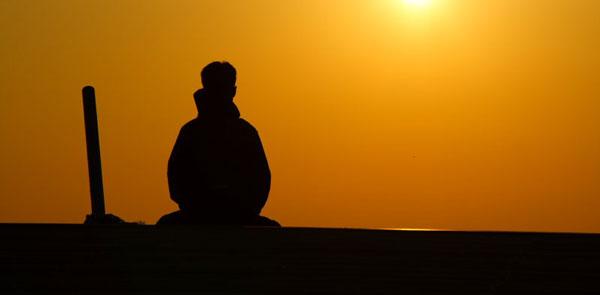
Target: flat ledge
pixel 75 258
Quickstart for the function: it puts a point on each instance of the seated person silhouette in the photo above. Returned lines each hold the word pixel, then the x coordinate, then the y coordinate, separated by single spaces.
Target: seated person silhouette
pixel 218 172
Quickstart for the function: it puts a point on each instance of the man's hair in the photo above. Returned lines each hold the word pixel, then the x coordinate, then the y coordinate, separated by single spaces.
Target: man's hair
pixel 218 75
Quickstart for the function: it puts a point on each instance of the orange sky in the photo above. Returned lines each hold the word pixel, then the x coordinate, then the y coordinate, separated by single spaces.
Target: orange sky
pixel 465 114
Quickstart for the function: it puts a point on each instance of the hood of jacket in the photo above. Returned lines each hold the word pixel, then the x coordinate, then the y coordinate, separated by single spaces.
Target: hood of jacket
pixel 215 107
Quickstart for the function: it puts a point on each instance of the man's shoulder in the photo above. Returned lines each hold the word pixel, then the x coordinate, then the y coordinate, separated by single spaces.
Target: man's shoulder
pixel 248 128
pixel 197 123
pixel 190 124
pixel 246 124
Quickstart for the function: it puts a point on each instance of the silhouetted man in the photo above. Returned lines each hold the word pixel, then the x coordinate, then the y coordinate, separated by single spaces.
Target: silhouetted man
pixel 218 172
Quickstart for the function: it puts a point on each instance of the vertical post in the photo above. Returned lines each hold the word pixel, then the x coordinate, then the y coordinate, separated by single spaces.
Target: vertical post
pixel 93 151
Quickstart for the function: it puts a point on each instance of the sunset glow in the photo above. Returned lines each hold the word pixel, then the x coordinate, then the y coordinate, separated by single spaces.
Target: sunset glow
pixel 417 3
pixel 459 115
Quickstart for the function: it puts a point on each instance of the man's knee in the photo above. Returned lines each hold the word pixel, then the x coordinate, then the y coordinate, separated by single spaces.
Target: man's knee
pixel 173 218
pixel 264 221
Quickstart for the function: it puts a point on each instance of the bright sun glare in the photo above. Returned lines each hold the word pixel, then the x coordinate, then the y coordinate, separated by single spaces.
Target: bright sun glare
pixel 417 3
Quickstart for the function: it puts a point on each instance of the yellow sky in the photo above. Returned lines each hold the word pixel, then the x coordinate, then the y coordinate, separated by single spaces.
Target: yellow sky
pixel 463 114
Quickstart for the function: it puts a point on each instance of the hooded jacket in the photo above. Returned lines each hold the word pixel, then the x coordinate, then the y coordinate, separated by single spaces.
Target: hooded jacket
pixel 218 168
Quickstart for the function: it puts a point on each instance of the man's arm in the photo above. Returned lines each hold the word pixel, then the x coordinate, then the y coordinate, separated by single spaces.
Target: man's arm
pixel 177 166
pixel 261 184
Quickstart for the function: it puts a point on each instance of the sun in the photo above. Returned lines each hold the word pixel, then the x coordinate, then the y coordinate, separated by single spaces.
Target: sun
pixel 417 3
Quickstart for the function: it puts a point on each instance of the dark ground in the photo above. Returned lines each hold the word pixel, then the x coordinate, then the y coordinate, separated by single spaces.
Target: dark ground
pixel 132 259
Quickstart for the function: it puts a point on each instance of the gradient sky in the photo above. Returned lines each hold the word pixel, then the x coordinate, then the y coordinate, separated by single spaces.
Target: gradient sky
pixel 463 114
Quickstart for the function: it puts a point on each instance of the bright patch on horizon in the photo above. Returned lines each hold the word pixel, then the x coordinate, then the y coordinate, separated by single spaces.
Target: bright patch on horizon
pixel 417 3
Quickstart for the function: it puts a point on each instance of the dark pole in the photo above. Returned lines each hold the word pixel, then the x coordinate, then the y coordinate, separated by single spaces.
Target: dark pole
pixel 93 151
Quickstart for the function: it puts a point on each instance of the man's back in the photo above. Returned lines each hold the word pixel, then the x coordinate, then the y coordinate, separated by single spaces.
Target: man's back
pixel 218 169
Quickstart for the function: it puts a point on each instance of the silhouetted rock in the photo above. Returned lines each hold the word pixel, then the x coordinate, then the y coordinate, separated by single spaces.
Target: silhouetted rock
pixel 104 219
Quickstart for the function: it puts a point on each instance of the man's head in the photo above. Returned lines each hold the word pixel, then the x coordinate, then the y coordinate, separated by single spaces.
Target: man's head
pixel 219 78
